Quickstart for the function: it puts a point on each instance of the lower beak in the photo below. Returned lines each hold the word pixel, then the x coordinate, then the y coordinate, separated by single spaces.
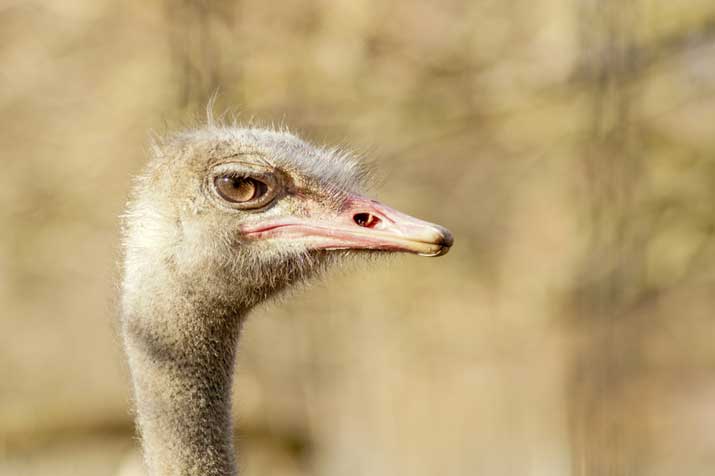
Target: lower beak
pixel 361 224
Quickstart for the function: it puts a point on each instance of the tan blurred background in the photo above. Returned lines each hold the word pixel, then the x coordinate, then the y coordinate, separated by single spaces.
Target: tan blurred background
pixel 569 145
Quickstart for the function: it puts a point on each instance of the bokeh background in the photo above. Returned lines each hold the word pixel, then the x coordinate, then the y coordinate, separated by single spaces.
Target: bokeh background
pixel 569 145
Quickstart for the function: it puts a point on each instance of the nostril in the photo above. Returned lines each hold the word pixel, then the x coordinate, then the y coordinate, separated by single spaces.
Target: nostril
pixel 366 220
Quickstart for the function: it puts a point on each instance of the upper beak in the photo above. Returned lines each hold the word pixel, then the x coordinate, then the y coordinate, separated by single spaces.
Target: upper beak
pixel 362 223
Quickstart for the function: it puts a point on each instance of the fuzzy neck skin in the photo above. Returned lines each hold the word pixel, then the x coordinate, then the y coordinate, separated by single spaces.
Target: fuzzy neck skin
pixel 181 344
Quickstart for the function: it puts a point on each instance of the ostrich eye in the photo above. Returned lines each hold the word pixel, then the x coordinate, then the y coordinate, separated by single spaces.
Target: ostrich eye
pixel 240 189
pixel 243 185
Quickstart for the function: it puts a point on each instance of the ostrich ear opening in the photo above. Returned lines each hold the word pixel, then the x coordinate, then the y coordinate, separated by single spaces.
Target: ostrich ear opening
pixel 362 224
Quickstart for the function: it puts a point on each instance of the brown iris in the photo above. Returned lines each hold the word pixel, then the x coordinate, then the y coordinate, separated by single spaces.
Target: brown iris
pixel 239 189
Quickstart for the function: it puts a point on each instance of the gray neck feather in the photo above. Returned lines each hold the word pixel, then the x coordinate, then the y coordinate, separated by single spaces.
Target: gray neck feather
pixel 181 345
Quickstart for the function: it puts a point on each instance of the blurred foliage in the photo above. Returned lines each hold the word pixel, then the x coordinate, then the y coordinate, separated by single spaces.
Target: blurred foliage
pixel 568 145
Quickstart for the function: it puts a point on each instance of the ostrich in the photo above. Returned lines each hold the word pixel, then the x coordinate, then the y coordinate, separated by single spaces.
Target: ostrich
pixel 222 219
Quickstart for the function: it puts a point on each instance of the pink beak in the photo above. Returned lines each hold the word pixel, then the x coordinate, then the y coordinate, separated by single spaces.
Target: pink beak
pixel 361 224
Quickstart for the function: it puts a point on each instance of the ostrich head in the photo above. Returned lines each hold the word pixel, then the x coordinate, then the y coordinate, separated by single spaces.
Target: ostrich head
pixel 221 219
pixel 256 210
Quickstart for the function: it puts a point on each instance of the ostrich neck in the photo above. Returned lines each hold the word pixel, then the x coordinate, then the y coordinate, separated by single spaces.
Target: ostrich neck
pixel 181 352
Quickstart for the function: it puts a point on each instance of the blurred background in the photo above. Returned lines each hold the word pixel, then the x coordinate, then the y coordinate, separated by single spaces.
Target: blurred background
pixel 569 145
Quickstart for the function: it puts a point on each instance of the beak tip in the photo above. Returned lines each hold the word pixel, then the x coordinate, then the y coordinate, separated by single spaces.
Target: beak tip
pixel 444 241
pixel 447 239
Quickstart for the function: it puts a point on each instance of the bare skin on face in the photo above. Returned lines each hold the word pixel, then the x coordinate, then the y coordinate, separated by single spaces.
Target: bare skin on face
pixel 222 219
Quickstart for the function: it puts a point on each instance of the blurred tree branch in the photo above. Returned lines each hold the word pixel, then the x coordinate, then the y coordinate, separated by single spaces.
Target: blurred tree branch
pixel 636 60
pixel 606 430
pixel 609 423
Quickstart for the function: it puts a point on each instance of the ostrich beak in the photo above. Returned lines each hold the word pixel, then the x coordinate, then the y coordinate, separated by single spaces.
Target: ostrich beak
pixel 362 223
